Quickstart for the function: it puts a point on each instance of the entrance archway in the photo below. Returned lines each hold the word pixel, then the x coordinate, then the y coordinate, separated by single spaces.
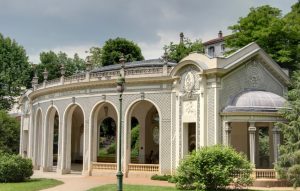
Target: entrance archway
pixel 51 140
pixel 38 139
pixel 74 124
pixel 104 127
pixel 147 116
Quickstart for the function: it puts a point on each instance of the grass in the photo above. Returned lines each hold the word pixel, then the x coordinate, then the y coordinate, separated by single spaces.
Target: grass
pixel 30 185
pixel 111 187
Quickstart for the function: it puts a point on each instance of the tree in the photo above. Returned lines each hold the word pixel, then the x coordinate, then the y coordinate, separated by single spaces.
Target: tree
pixel 52 62
pixel 114 48
pixel 274 33
pixel 14 71
pixel 10 131
pixel 95 55
pixel 176 52
pixel 288 165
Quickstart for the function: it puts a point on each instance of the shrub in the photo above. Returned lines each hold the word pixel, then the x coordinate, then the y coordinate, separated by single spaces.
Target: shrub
pixel 161 177
pixel 14 168
pixel 112 149
pixel 213 168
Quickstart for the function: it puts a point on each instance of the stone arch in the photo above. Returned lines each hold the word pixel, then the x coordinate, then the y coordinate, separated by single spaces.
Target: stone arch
pixel 141 117
pixel 101 111
pixel 73 139
pixel 38 138
pixel 199 65
pixel 51 133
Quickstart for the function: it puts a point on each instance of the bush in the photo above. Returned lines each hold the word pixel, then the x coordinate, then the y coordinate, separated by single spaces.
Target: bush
pixel 112 149
pixel 161 177
pixel 213 168
pixel 14 168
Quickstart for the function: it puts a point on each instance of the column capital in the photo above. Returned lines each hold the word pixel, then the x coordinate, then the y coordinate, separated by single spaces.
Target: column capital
pixel 227 126
pixel 252 129
pixel 276 129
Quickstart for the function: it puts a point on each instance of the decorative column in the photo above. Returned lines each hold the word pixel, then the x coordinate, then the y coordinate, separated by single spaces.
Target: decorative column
pixel 227 130
pixel 45 74
pixel 165 60
pixel 276 142
pixel 34 82
pixel 62 72
pixel 88 68
pixel 252 131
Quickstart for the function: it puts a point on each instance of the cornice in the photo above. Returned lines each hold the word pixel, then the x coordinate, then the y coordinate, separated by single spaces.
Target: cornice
pixel 99 83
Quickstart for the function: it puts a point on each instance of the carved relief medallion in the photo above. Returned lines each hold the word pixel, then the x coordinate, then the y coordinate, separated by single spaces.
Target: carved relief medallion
pixel 189 82
pixel 254 74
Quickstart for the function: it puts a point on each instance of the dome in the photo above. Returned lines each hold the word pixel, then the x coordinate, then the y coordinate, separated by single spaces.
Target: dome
pixel 260 101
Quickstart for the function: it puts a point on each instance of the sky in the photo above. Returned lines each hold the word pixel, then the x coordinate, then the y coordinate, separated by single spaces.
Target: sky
pixel 73 26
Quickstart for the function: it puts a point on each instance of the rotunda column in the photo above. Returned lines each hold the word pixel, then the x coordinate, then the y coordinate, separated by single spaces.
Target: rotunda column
pixel 252 131
pixel 227 130
pixel 276 142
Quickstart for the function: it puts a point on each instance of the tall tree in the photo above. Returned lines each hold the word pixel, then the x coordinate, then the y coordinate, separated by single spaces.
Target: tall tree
pixel 95 55
pixel 10 131
pixel 114 48
pixel 14 71
pixel 266 26
pixel 176 52
pixel 288 165
pixel 52 62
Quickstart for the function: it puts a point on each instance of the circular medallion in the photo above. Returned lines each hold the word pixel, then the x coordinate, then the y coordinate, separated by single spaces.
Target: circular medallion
pixel 155 134
pixel 189 82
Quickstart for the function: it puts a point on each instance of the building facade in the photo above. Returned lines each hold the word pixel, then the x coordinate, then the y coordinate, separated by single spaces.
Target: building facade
pixel 200 101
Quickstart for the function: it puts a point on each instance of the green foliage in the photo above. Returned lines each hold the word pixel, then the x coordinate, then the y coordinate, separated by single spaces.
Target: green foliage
pixel 264 145
pixel 14 168
pixel 113 187
pixel 135 140
pixel 14 71
pixel 95 55
pixel 278 36
pixel 114 48
pixel 10 133
pixel 289 160
pixel 176 52
pixel 161 177
pixel 213 168
pixel 52 62
pixel 112 149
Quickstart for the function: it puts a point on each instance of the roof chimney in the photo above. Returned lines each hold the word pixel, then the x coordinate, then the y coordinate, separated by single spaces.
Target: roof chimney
pixel 220 34
pixel 181 37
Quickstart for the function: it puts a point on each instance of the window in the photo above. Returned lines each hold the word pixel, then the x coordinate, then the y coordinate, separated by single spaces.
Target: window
pixel 223 47
pixel 211 51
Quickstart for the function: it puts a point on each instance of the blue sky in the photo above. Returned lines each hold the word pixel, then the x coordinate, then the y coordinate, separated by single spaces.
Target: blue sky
pixel 76 25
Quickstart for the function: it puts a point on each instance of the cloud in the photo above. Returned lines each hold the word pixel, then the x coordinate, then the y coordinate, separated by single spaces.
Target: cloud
pixel 72 25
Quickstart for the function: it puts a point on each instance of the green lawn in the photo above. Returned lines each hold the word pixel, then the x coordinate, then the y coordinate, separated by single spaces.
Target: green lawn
pixel 30 185
pixel 111 187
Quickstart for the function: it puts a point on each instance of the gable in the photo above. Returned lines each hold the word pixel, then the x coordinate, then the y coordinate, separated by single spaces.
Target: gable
pixel 251 75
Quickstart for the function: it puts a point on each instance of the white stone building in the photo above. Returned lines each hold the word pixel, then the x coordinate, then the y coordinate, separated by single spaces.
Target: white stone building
pixel 197 102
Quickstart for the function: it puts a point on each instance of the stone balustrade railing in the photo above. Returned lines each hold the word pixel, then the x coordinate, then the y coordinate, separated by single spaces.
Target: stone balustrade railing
pixel 105 75
pixel 104 166
pixel 144 167
pixel 265 174
pixel 260 174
